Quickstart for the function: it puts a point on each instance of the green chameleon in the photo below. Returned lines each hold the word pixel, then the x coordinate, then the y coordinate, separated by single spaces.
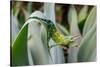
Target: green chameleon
pixel 54 34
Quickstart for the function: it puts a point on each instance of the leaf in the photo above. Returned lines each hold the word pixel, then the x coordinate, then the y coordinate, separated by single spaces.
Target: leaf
pixel 62 29
pixel 74 31
pixel 22 48
pixel 15 9
pixel 57 53
pixel 14 28
pixel 21 18
pixel 19 48
pixel 83 14
pixel 82 17
pixel 37 44
pixel 87 51
pixel 43 34
pixel 91 19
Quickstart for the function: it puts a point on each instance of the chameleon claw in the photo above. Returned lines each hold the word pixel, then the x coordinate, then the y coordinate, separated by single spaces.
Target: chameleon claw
pixel 75 37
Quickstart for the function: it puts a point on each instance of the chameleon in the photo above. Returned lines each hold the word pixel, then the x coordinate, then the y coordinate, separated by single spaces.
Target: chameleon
pixel 53 33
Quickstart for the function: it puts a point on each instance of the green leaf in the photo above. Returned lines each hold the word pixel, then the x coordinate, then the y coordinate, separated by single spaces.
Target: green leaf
pixel 38 43
pixel 57 52
pixel 15 9
pixel 83 14
pixel 15 28
pixel 91 19
pixel 21 18
pixel 82 17
pixel 74 31
pixel 73 19
pixel 62 29
pixel 19 48
pixel 87 51
pixel 43 34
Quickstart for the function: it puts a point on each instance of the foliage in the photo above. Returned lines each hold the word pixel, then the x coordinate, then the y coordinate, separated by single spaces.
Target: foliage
pixel 31 46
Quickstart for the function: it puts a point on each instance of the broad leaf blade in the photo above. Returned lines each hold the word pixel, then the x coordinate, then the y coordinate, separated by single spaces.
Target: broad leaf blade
pixel 37 50
pixel 74 31
pixel 87 51
pixel 82 17
pixel 91 19
pixel 83 14
pixel 44 34
pixel 57 53
pixel 19 48
pixel 14 28
pixel 62 30
pixel 37 45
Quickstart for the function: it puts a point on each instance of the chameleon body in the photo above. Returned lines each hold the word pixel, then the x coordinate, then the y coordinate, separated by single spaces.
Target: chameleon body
pixel 53 33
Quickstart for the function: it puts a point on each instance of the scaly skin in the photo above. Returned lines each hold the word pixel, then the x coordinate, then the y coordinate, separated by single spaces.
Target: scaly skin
pixel 53 33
